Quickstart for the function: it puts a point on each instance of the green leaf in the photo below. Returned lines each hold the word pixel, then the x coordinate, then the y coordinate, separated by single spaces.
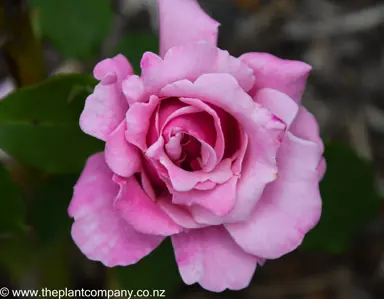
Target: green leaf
pixel 157 271
pixel 349 199
pixel 39 125
pixel 48 209
pixel 11 205
pixel 75 27
pixel 133 47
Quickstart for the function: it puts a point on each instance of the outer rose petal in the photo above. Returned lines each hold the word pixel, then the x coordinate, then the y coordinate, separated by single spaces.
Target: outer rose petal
pixel 104 108
pixel 190 61
pixel 122 157
pixel 306 127
pixel 287 76
pixel 118 65
pixel 133 89
pixel 99 231
pixel 289 207
pixel 182 22
pixel 187 61
pixel 278 103
pixel 140 211
pixel 210 257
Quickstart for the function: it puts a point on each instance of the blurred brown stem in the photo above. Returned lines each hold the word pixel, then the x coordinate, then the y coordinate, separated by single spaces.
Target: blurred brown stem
pixel 22 50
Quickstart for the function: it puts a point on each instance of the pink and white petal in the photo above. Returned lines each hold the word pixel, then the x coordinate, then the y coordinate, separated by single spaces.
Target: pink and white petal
pixel 182 22
pixel 133 89
pixel 211 258
pixel 290 206
pixel 118 65
pixel 122 157
pixel 220 200
pixel 137 209
pixel 287 76
pixel 278 103
pixel 138 119
pixel 99 232
pixel 179 214
pixel 104 109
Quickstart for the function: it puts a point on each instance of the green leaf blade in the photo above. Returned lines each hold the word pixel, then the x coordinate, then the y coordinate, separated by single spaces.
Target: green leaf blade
pixel 39 125
pixel 76 28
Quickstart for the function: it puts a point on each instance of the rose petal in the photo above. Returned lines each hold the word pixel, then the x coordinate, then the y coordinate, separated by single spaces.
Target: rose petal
pixel 182 22
pixel 210 257
pixel 263 130
pixel 179 214
pixel 122 157
pixel 140 211
pixel 138 121
pixel 173 147
pixel 118 65
pixel 99 231
pixel 289 207
pixel 306 127
pixel 220 200
pixel 183 180
pixel 228 64
pixel 190 61
pixel 321 168
pixel 196 124
pixel 219 145
pixel 286 76
pixel 133 89
pixel 187 61
pixel 278 103
pixel 168 109
pixel 104 109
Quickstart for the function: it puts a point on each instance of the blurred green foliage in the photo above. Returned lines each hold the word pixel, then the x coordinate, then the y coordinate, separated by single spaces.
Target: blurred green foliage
pixel 349 199
pixel 39 125
pixel 76 28
pixel 12 211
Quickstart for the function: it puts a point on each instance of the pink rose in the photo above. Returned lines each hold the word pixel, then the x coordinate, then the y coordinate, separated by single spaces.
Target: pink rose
pixel 212 150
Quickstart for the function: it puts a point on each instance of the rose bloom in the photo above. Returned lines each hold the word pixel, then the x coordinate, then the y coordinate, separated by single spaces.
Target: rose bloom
pixel 212 150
